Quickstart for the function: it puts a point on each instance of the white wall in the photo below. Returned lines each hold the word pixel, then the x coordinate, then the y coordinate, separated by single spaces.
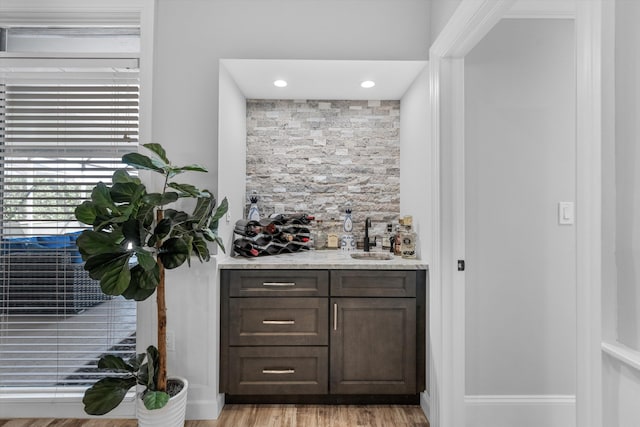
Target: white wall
pixel 621 202
pixel 191 37
pixel 232 154
pixel 441 12
pixel 627 176
pixel 520 162
pixel 621 391
pixel 414 159
pixel 414 175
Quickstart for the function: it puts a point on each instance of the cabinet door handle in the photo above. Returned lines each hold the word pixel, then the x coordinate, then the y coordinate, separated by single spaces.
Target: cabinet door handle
pixel 278 322
pixel 335 317
pixel 278 283
pixel 279 371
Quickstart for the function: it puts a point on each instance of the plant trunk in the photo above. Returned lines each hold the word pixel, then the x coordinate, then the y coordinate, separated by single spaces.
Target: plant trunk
pixel 162 321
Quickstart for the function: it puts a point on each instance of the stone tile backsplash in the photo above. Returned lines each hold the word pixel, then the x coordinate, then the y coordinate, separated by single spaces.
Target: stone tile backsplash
pixel 317 156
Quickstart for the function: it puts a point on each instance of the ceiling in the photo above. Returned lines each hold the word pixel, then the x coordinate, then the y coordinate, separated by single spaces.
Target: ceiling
pixel 323 79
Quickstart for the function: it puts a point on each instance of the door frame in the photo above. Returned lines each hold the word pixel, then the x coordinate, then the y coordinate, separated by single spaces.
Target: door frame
pixel 471 21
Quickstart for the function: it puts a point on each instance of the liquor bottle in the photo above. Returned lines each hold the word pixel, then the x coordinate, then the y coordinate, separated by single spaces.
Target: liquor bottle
pixel 333 241
pixel 347 241
pixel 387 238
pixel 320 236
pixel 397 241
pixel 254 213
pixel 408 243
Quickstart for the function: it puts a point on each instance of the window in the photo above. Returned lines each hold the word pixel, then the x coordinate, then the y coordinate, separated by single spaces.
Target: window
pixel 64 125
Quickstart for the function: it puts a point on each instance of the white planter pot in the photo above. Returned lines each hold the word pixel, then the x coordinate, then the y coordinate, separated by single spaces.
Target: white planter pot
pixel 172 415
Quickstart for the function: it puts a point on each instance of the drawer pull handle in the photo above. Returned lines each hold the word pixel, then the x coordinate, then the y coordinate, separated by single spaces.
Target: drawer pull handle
pixel 279 371
pixel 278 322
pixel 335 317
pixel 279 284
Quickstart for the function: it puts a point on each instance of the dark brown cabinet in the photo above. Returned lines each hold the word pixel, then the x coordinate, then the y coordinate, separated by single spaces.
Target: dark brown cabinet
pixel 329 335
pixel 373 346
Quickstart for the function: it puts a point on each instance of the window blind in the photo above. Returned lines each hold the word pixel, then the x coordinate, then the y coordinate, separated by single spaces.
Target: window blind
pixel 62 130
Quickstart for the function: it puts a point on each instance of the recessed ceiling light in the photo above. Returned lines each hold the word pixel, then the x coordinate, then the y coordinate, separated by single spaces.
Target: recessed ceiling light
pixel 280 83
pixel 367 84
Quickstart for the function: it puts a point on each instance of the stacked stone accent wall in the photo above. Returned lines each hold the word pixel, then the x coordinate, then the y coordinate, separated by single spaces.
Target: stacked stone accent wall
pixel 317 156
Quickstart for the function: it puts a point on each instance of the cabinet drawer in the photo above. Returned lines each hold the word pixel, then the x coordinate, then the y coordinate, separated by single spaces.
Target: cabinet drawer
pixel 259 283
pixel 278 370
pixel 373 283
pixel 278 321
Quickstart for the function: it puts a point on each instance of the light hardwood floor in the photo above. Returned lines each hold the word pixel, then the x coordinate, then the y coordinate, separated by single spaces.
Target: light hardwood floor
pixel 271 416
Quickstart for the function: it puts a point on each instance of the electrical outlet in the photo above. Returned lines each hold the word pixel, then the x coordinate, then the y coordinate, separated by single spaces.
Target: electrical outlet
pixel 171 341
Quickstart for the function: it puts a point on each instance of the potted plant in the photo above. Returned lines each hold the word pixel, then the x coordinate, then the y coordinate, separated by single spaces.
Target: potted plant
pixel 133 239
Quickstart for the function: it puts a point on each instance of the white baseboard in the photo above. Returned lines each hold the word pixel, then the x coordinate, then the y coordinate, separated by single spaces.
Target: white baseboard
pixel 425 404
pixel 520 410
pixel 204 409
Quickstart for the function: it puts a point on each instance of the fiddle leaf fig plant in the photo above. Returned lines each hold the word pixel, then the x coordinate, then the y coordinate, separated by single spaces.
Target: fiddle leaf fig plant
pixel 134 236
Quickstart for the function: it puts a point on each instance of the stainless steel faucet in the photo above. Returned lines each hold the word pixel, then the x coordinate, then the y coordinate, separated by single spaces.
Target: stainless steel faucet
pixel 367 225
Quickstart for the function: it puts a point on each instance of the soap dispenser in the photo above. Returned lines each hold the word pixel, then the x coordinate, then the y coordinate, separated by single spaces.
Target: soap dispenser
pixel 347 241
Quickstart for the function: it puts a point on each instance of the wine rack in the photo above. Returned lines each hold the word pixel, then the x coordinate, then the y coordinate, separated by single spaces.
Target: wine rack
pixel 278 234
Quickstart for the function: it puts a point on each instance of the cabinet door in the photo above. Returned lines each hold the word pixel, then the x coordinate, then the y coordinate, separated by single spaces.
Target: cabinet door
pixel 373 346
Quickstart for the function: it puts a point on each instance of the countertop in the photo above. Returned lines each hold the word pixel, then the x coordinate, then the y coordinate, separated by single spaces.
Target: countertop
pixel 325 259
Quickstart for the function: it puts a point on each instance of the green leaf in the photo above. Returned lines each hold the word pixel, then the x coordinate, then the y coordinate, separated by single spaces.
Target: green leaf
pixel 174 252
pixel 140 161
pixel 86 213
pixel 116 279
pixel 221 210
pixel 146 214
pixel 201 249
pixel 176 216
pixel 186 190
pixel 112 269
pixel 115 363
pixel 102 198
pixel 220 243
pixel 151 367
pixel 121 176
pixel 125 192
pixel 158 199
pixel 147 279
pixel 98 242
pixel 158 150
pixel 203 209
pixel 145 259
pixel 155 399
pixel 133 233
pixel 106 394
pixel 143 283
pixel 163 228
pixel 136 361
pixel 193 168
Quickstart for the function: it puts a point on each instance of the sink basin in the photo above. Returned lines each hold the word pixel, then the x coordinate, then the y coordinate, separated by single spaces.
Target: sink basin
pixel 373 256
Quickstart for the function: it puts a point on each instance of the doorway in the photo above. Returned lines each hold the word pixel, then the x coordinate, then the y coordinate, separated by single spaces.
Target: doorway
pixel 471 22
pixel 520 277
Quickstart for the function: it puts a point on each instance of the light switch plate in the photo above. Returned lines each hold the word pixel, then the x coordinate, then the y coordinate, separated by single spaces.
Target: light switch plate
pixel 566 213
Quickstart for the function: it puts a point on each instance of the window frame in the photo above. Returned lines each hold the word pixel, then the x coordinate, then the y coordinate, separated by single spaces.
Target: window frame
pixel 67 403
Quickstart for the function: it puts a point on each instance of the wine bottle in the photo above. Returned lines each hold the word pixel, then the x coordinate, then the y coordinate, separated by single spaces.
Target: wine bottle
pixel 249 228
pixel 245 248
